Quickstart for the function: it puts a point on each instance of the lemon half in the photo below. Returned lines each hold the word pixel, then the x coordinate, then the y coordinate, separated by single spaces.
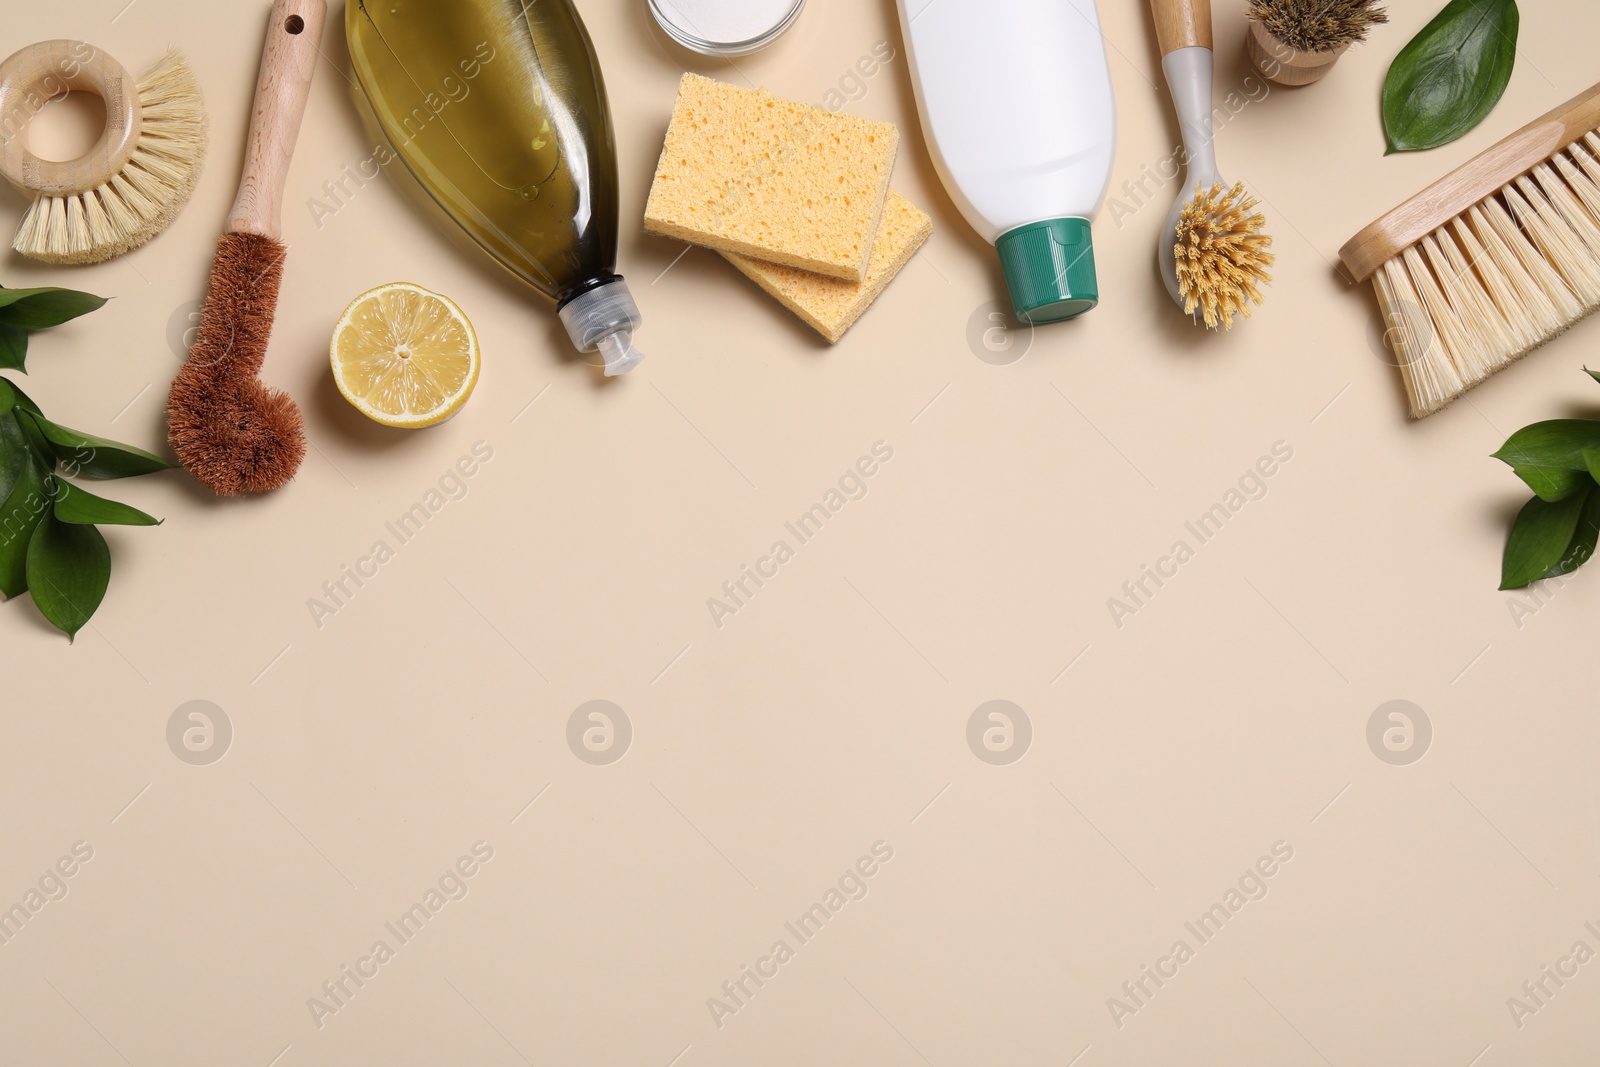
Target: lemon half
pixel 404 357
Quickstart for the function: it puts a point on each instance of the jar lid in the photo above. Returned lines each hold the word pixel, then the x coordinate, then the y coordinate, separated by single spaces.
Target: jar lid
pixel 725 27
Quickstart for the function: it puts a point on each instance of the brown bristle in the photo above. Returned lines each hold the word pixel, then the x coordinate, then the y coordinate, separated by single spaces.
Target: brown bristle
pixel 1221 254
pixel 1318 25
pixel 230 431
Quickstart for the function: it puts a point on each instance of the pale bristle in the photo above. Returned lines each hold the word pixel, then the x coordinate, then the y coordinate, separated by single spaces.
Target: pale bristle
pixel 1496 282
pixel 1221 254
pixel 146 196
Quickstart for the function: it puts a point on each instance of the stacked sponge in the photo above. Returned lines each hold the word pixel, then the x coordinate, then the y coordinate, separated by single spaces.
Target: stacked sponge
pixel 796 196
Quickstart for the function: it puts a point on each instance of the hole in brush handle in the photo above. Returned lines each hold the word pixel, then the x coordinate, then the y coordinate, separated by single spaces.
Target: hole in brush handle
pixel 295 24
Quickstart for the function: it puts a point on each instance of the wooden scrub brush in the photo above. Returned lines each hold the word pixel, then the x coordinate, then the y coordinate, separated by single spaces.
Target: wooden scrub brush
pixel 132 183
pixel 1296 42
pixel 1492 260
pixel 230 430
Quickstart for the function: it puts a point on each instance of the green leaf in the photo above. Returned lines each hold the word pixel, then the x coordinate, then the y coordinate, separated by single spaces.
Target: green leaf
pixel 1553 483
pixel 1539 539
pixel 95 457
pixel 13 347
pixel 1584 538
pixel 24 507
pixel 1595 374
pixel 69 568
pixel 40 309
pixel 43 454
pixel 14 454
pixel 1450 76
pixel 21 398
pixel 1558 444
pixel 81 507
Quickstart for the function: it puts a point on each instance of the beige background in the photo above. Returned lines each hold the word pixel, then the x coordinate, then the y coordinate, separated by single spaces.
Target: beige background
pixel 830 713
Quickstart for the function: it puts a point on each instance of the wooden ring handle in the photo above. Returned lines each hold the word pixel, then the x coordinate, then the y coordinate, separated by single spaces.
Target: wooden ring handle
pixel 48 70
pixel 288 61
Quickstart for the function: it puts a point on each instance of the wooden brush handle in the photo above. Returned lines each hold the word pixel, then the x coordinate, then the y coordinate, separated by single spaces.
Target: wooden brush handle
pixel 48 71
pixel 294 36
pixel 1182 24
pixel 1475 180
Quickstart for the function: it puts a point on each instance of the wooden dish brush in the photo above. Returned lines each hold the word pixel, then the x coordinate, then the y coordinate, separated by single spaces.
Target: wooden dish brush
pixel 132 183
pixel 1492 260
pixel 228 428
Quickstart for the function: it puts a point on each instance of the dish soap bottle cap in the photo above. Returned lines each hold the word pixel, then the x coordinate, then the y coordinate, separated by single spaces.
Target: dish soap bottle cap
pixel 1049 268
pixel 604 318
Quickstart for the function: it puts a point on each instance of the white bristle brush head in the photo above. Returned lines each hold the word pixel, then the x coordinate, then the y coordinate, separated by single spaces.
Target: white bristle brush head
pixel 1511 273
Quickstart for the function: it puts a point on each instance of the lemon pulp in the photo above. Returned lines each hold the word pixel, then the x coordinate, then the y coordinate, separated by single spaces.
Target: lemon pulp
pixel 404 356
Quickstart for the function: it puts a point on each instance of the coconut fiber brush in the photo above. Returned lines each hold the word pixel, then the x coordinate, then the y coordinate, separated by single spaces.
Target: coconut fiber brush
pixel 1492 260
pixel 230 431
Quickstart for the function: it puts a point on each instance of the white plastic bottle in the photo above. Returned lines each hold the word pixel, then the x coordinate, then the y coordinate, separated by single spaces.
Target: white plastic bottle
pixel 1015 100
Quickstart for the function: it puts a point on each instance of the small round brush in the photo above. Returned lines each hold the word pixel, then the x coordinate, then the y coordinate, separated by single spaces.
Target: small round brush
pixel 1295 42
pixel 133 182
pixel 1212 251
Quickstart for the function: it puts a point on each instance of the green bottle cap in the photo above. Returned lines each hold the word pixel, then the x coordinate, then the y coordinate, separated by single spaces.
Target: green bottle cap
pixel 1049 268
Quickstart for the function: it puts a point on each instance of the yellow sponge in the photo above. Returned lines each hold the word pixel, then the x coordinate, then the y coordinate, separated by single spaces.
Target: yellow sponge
pixel 746 172
pixel 830 305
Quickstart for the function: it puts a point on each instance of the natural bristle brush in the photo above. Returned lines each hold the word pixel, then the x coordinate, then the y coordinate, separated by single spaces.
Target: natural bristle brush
pixel 1492 260
pixel 137 177
pixel 1212 251
pixel 230 431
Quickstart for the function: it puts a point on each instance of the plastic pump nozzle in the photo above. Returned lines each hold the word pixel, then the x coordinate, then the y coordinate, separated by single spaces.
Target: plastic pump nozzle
pixel 603 319
pixel 620 355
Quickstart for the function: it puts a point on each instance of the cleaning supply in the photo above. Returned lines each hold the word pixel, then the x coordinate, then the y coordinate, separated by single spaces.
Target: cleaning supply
pixel 1492 260
pixel 1220 253
pixel 1212 251
pixel 230 431
pixel 137 177
pixel 830 305
pixel 1297 42
pixel 746 172
pixel 499 110
pixel 725 27
pixel 404 357
pixel 1015 101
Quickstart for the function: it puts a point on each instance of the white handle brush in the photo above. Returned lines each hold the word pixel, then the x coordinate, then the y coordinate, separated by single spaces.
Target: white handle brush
pixel 1212 253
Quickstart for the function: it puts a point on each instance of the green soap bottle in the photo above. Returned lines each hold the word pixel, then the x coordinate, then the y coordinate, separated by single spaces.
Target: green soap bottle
pixel 499 110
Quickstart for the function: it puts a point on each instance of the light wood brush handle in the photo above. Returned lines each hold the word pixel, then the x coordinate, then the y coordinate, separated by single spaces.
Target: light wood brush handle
pixel 294 36
pixel 1475 180
pixel 1182 24
pixel 47 71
